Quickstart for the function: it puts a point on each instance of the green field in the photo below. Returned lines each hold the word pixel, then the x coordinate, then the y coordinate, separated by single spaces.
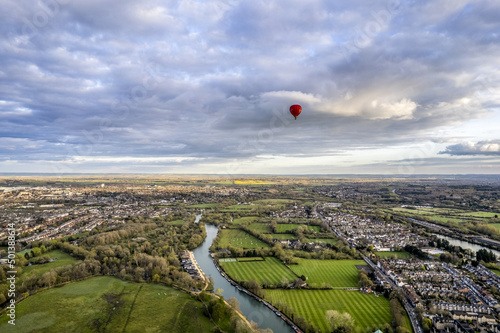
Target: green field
pixel 391 254
pixel 270 269
pixel 446 214
pixel 239 238
pixel 368 311
pixel 61 259
pixel 496 271
pixel 496 225
pixel 245 219
pixel 244 259
pixel 261 228
pixel 336 273
pixel 290 227
pixel 106 304
pixel 482 214
pixel 239 208
pixel 273 202
pixel 283 236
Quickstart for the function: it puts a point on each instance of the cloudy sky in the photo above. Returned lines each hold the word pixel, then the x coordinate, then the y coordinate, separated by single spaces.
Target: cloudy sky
pixel 204 86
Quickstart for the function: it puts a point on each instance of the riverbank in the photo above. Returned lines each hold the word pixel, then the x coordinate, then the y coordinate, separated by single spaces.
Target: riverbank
pixel 253 309
pixel 482 241
pixel 249 293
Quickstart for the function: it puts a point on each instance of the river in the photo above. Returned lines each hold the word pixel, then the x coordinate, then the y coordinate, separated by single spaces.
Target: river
pixel 467 245
pixel 249 306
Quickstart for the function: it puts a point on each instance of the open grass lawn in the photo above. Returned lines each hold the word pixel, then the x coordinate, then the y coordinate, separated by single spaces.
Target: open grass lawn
pixel 496 225
pixel 284 236
pixel 273 201
pixel 290 227
pixel 239 238
pixel 106 304
pixel 391 254
pixel 245 219
pixel 244 259
pixel 336 273
pixel 207 205
pixel 368 311
pixel 447 214
pixel 61 259
pixel 270 269
pixel 261 228
pixel 239 208
pixel 482 214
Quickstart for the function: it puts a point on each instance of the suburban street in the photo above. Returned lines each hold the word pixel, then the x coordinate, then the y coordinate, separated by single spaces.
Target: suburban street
pixel 409 309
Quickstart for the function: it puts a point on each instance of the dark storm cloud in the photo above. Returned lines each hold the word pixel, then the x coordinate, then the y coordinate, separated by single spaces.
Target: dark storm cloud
pixel 214 79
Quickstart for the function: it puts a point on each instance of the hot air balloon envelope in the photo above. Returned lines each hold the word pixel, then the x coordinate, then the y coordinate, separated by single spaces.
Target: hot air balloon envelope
pixel 295 110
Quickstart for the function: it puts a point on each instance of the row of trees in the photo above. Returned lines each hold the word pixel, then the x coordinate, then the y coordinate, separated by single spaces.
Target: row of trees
pixel 485 255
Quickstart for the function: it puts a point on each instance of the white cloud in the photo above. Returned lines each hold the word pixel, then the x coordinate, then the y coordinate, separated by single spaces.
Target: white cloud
pixel 490 147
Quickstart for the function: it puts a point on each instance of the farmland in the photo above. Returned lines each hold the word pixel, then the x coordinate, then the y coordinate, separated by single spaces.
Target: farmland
pixel 274 202
pixel 368 311
pixel 245 219
pixel 283 236
pixel 111 305
pixel 290 227
pixel 239 238
pixel 261 228
pixel 270 269
pixel 336 273
pixel 239 208
pixel 441 215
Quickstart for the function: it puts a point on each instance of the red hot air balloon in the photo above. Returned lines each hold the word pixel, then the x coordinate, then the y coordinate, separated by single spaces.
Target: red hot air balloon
pixel 295 110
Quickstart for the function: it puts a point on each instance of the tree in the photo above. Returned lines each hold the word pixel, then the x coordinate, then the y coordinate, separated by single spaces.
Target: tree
pixel 233 301
pixel 485 255
pixel 426 324
pixel 219 291
pixel 363 279
pixel 340 322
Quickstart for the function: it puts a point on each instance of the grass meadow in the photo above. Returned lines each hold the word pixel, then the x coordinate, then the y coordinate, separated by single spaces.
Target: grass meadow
pixel 270 269
pixel 239 238
pixel 336 273
pixel 107 304
pixel 261 228
pixel 290 227
pixel 368 311
pixel 242 220
pixel 447 214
